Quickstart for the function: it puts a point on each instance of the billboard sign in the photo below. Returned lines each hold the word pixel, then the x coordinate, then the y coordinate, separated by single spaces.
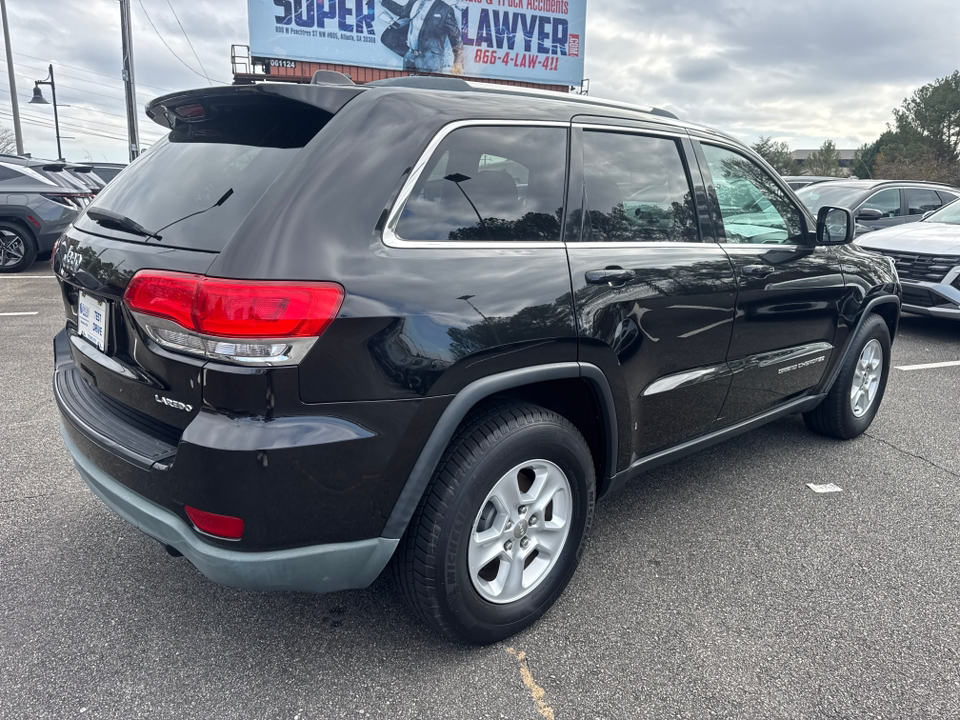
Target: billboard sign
pixel 537 41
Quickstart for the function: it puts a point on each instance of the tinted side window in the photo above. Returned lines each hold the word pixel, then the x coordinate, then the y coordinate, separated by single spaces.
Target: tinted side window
pixel 753 207
pixel 921 201
pixel 886 201
pixel 9 174
pixel 490 184
pixel 636 190
pixel 946 197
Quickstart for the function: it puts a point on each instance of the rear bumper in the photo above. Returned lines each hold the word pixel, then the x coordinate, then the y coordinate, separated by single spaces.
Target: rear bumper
pixel 319 568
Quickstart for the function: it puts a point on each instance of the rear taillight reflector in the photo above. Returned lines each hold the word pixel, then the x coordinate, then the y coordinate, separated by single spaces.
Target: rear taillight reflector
pixel 222 526
pixel 235 308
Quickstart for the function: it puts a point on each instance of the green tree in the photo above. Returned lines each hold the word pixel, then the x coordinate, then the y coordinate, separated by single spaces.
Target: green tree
pixel 777 153
pixel 930 118
pixel 924 141
pixel 825 161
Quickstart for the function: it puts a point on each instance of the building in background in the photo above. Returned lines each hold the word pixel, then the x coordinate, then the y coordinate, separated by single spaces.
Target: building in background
pixel 529 43
pixel 845 159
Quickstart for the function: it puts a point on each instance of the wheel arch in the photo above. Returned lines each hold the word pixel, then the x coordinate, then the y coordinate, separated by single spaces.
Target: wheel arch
pixel 888 308
pixel 543 384
pixel 19 221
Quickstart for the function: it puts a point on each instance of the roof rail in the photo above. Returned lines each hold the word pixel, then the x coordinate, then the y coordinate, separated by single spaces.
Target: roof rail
pixel 568 97
pixel 424 82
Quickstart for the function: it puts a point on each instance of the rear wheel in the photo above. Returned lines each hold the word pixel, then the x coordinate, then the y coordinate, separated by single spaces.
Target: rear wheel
pixel 18 249
pixel 502 525
pixel 855 397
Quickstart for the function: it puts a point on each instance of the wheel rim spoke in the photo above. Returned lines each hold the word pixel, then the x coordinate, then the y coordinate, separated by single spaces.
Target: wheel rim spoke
pixel 514 581
pixel 550 539
pixel 486 554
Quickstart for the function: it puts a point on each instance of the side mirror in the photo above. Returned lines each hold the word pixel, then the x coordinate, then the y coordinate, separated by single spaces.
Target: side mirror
pixel 835 226
pixel 870 215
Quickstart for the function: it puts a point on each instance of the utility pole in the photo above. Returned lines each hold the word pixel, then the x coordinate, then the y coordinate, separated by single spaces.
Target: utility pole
pixel 13 83
pixel 129 84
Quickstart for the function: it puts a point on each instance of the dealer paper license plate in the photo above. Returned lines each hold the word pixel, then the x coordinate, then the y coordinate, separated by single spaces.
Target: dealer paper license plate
pixel 92 320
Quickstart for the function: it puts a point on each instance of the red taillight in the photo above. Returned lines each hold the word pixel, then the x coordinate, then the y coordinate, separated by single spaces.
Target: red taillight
pixel 224 526
pixel 53 254
pixel 190 112
pixel 235 308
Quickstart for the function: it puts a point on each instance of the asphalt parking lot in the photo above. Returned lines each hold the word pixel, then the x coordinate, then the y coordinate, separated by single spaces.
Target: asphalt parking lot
pixel 717 586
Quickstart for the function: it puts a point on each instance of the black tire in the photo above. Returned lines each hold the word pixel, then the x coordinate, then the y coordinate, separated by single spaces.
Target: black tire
pixel 431 568
pixel 18 248
pixel 835 416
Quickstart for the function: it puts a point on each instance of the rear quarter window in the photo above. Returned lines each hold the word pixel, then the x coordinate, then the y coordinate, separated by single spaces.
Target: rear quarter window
pixel 489 184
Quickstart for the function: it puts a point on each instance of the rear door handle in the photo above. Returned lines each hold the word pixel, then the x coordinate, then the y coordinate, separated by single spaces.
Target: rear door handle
pixel 610 275
pixel 757 270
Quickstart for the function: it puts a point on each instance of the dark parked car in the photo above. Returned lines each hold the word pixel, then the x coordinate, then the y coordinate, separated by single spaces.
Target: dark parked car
pixel 927 256
pixel 34 211
pixel 878 204
pixel 322 326
pixel 107 171
pixel 800 181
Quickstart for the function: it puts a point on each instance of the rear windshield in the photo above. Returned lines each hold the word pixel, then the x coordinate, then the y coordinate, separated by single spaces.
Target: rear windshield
pixel 236 155
pixel 819 194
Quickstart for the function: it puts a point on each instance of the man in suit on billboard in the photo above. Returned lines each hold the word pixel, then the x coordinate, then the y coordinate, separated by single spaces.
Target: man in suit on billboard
pixel 428 26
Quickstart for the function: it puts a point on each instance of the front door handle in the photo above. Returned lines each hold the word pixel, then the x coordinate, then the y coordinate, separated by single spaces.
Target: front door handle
pixel 757 270
pixel 613 276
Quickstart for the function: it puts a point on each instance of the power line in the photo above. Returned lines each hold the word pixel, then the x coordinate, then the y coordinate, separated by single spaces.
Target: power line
pixel 78 124
pixel 6 115
pixel 188 40
pixel 92 72
pixel 78 89
pixel 71 126
pixel 172 51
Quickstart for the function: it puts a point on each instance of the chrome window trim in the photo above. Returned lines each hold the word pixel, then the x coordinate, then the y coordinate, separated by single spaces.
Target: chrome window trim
pixel 390 237
pixel 639 244
pixel 779 246
pixel 634 130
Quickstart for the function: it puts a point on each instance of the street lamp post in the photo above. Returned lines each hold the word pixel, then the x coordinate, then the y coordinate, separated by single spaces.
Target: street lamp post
pixel 39 99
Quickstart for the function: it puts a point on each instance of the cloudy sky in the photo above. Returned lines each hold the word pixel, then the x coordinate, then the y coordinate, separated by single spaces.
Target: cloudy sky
pixel 801 71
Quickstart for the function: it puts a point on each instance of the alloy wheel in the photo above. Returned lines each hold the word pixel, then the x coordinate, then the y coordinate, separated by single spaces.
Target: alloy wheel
pixel 520 531
pixel 12 248
pixel 866 378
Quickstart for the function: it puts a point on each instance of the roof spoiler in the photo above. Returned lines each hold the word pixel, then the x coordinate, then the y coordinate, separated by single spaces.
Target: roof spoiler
pixel 329 97
pixel 331 77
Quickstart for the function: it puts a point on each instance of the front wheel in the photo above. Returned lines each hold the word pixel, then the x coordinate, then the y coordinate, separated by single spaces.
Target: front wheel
pixel 18 249
pixel 502 525
pixel 855 397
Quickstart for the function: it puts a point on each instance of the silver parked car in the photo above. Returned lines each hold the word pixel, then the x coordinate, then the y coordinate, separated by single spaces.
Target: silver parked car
pixel 927 256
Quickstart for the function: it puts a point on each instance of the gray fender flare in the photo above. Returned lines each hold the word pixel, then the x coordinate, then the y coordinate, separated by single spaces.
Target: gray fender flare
pixel 465 400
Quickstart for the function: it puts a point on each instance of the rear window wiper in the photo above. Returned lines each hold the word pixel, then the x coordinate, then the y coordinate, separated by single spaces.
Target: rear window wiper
pixel 119 222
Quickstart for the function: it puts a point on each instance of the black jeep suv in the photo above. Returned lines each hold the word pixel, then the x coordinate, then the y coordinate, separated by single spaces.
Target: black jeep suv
pixel 323 326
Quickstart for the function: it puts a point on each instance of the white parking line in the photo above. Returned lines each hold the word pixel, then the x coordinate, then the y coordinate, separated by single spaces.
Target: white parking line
pixel 4 276
pixel 13 314
pixel 930 366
